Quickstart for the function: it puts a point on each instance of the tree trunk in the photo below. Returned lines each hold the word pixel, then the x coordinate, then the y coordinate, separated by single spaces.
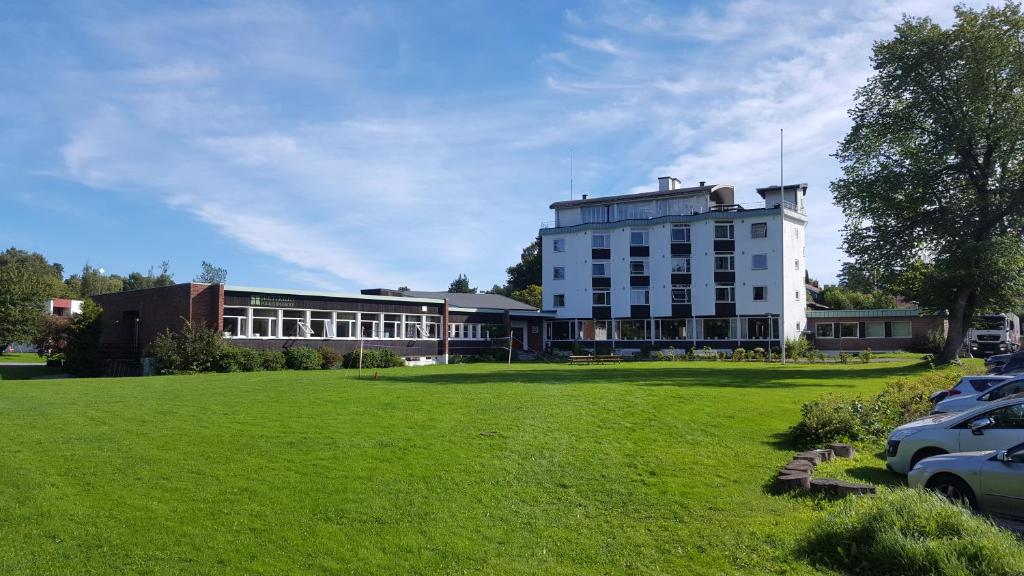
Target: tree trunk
pixel 958 324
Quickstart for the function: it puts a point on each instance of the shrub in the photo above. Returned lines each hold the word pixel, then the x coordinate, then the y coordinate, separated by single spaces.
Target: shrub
pixel 739 355
pixel 82 353
pixel 797 347
pixel 757 353
pixel 866 355
pixel 301 358
pixel 250 360
pixel 931 343
pixel 833 419
pixel 911 532
pixel 194 348
pixel 377 358
pixel 229 359
pixel 844 357
pixel 272 360
pixel 329 357
pixel 691 354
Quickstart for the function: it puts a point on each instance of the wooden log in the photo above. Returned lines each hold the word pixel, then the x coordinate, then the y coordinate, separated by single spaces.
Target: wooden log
pixel 799 466
pixel 811 456
pixel 827 455
pixel 848 488
pixel 794 481
pixel 843 450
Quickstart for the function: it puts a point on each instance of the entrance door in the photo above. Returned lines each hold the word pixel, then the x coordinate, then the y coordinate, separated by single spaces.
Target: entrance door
pixel 519 337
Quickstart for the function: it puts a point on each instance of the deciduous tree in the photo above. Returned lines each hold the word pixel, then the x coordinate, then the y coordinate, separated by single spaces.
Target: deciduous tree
pixel 933 167
pixel 27 281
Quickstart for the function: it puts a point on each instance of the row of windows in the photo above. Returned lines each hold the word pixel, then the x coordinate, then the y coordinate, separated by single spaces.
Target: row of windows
pixel 724 262
pixel 900 329
pixel 291 323
pixel 680 233
pixel 724 293
pixel 757 328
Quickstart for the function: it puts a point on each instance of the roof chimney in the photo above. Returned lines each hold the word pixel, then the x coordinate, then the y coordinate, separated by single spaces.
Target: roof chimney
pixel 584 196
pixel 702 183
pixel 666 183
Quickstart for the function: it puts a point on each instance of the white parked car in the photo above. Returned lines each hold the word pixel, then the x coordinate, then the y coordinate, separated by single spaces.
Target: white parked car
pixel 968 385
pixel 962 402
pixel 992 426
pixel 992 481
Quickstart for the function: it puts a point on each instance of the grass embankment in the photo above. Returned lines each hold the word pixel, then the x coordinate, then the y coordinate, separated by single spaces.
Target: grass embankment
pixel 22 357
pixel 554 469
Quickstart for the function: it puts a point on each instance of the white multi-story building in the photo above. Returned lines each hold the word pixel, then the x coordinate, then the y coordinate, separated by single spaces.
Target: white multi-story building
pixel 682 267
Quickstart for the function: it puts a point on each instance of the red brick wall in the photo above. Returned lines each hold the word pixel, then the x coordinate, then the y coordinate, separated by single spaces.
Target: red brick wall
pixel 207 305
pixel 920 326
pixel 158 309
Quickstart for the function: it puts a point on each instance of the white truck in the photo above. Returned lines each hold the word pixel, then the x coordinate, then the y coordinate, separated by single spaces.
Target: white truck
pixel 994 334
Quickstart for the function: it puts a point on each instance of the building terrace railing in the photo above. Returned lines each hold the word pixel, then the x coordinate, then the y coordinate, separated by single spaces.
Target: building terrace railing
pixel 651 214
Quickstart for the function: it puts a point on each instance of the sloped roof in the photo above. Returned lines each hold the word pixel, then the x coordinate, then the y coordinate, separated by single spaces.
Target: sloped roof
pixel 460 300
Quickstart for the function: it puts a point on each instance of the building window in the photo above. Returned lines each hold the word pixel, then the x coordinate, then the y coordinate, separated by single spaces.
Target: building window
pixel 796 264
pixel 369 326
pixel 759 262
pixel 320 325
pixel 874 330
pixel 558 273
pixel 236 322
pixel 602 298
pixel 602 329
pixel 719 329
pixel 637 237
pixel 759 230
pixel 672 329
pixel 414 327
pixel 433 327
pixel 796 233
pixel 901 330
pixel 725 262
pixel 600 241
pixel 725 293
pixel 757 328
pixel 595 214
pixel 797 295
pixel 849 330
pixel 639 296
pixel 823 330
pixel 558 244
pixel 632 330
pixel 760 293
pixel 680 264
pixel 558 300
pixel 345 325
pixel 293 325
pixel 560 330
pixel 638 267
pixel 680 294
pixel 599 269
pixel 264 323
pixel 680 233
pixel 392 326
pixel 724 231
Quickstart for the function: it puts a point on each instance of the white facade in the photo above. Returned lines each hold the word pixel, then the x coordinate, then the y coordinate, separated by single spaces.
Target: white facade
pixel 745 263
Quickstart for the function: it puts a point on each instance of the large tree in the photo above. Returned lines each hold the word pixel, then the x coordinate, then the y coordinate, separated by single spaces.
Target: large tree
pixel 27 281
pixel 138 281
pixel 933 167
pixel 461 286
pixel 92 281
pixel 212 274
pixel 528 271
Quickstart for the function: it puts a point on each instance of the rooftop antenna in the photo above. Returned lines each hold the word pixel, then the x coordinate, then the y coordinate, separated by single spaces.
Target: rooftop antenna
pixel 570 174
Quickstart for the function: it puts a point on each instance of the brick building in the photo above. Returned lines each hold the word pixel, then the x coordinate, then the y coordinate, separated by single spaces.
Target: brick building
pixel 420 326
pixel 880 330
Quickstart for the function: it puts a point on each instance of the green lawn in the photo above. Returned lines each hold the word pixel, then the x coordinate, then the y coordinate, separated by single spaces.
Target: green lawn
pixel 22 357
pixel 545 469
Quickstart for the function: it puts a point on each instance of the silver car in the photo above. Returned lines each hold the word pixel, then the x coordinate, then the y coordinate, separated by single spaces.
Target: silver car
pixel 1002 389
pixel 992 481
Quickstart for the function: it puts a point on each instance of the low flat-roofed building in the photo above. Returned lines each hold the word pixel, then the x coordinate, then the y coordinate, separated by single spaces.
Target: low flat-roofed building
pixel 880 329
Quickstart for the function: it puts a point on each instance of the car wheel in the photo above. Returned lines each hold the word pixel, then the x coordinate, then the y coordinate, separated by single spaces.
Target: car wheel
pixel 925 453
pixel 953 489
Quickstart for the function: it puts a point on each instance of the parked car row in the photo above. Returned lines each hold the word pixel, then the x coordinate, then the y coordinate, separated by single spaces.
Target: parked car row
pixel 971 448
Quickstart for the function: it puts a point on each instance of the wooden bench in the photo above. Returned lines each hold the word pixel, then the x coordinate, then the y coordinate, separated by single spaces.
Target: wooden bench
pixel 597 359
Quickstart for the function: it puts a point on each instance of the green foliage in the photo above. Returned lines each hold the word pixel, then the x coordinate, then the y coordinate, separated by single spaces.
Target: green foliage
pixel 376 358
pixel 933 155
pixel 27 281
pixel 797 347
pixel 139 281
pixel 528 271
pixel 302 358
pixel 910 533
pixel 833 418
pixel 844 357
pixel 52 336
pixel 530 295
pixel 329 357
pixel 739 355
pixel 461 286
pixel 82 353
pixel 272 360
pixel 866 355
pixel 92 281
pixel 211 274
pixel 231 358
pixel 842 298
pixel 195 348
pixel 931 343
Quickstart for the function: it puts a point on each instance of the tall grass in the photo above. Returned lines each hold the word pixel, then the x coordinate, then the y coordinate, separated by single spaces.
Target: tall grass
pixel 911 532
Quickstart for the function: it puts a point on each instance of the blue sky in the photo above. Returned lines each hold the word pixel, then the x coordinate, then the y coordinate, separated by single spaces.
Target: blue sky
pixel 347 145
